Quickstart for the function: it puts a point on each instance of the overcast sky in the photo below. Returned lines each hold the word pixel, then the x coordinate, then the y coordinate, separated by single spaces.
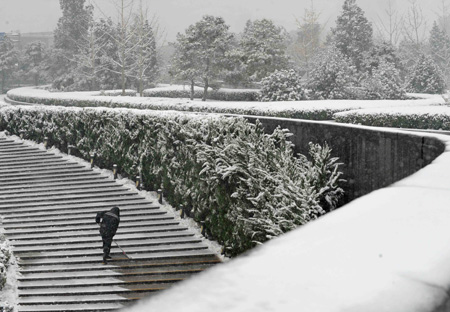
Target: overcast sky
pixel 175 15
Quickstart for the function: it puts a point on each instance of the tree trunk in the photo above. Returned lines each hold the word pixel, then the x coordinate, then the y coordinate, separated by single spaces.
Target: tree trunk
pixel 192 89
pixel 205 90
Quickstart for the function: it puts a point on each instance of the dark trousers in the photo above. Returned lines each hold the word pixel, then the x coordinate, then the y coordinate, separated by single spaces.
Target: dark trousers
pixel 107 241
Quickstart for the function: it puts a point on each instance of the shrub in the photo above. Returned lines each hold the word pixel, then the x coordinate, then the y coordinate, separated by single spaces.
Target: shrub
pixel 383 83
pixel 282 85
pixel 426 77
pixel 244 185
pixel 128 92
pixel 334 74
pixel 219 95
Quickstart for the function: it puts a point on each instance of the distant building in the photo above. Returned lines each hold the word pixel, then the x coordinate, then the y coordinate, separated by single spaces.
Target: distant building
pixel 22 40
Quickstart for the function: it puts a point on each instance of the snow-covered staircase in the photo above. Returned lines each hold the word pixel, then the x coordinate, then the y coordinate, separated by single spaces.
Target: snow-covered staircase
pixel 48 205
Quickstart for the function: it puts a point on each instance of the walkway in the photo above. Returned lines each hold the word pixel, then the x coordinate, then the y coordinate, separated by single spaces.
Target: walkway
pixel 49 206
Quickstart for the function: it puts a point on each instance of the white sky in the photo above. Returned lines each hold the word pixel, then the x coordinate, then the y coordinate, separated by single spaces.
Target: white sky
pixel 176 15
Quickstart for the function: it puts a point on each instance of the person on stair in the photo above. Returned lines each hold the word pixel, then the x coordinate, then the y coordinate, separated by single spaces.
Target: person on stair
pixel 109 222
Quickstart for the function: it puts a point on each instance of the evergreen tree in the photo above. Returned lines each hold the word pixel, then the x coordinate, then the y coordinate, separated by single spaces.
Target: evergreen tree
pixel 205 44
pixel 426 77
pixel 308 41
pixel 439 43
pixel 8 61
pixel 333 76
pixel 384 82
pixel 144 68
pixel 71 29
pixel 381 52
pixel 353 32
pixel 263 49
pixel 34 61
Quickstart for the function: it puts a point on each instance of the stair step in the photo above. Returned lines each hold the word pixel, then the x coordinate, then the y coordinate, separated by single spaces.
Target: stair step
pixel 122 230
pixel 192 260
pixel 9 223
pixel 167 254
pixel 64 197
pixel 77 208
pixel 119 238
pixel 92 307
pixel 63 191
pixel 19 251
pixel 122 274
pixel 48 206
pixel 132 224
pixel 94 199
pixel 80 212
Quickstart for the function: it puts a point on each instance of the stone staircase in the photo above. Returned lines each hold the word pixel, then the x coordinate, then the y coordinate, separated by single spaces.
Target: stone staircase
pixel 48 205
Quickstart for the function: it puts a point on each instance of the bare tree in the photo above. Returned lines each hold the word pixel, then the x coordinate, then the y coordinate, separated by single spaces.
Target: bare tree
pixel 414 24
pixel 391 24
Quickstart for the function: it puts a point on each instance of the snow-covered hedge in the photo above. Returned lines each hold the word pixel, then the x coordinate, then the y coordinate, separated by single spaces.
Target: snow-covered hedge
pixel 245 186
pixel 219 95
pixel 5 256
pixel 128 92
pixel 432 117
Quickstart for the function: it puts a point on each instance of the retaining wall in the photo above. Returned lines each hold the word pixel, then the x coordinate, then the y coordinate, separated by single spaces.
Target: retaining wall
pixel 372 157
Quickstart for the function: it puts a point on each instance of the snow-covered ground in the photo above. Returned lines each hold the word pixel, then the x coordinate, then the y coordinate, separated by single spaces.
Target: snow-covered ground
pixel 387 251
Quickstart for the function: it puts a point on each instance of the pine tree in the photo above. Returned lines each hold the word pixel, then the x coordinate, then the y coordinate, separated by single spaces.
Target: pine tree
pixel 263 49
pixel 71 29
pixel 440 49
pixel 308 41
pixel 144 66
pixel 34 60
pixel 8 61
pixel 334 74
pixel 353 32
pixel 205 44
pixel 426 77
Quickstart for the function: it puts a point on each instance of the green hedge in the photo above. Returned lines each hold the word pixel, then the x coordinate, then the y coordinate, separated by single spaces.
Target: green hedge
pixel 245 186
pixel 256 108
pixel 219 95
pixel 412 120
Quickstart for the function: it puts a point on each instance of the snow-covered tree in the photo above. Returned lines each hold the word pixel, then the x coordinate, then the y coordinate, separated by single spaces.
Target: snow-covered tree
pixel 308 41
pixel 384 82
pixel 334 74
pixel 391 25
pixel 205 44
pixel 33 61
pixel 263 49
pixel 68 36
pixel 414 24
pixel 381 52
pixel 426 77
pixel 144 66
pixel 439 43
pixel 283 85
pixel 8 61
pixel 353 32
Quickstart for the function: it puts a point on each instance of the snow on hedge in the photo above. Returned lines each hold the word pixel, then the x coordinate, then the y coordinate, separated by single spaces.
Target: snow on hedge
pixel 243 185
pixel 314 110
pixel 421 117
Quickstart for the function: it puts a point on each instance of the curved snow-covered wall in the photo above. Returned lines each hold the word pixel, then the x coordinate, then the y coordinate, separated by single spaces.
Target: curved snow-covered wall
pixel 372 157
pixel 386 251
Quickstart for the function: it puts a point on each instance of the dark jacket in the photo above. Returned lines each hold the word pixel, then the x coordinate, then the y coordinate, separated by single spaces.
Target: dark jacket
pixel 109 222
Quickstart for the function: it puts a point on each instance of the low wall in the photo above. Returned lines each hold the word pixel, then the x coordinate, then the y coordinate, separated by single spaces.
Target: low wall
pixel 372 157
pixel 386 251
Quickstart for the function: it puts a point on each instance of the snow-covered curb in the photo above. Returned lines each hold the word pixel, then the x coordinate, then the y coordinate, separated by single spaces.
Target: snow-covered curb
pixel 386 251
pixel 151 196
